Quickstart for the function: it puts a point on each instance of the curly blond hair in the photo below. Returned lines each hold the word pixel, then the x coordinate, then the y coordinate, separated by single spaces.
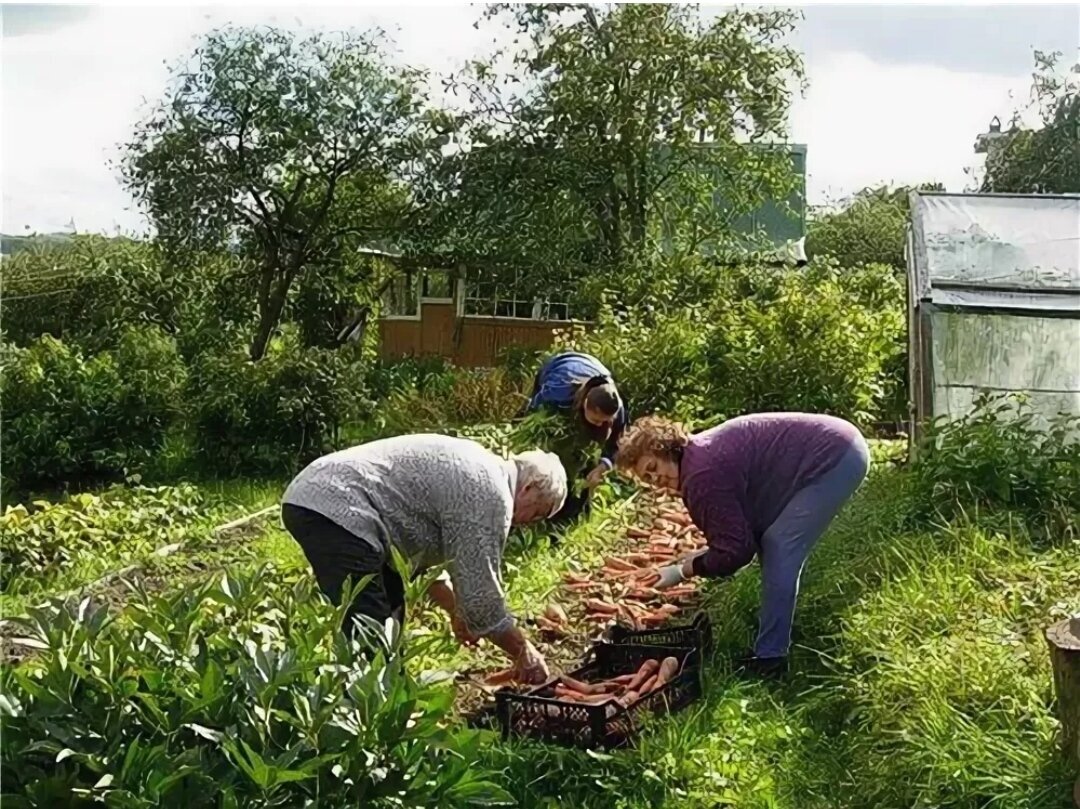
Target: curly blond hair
pixel 652 435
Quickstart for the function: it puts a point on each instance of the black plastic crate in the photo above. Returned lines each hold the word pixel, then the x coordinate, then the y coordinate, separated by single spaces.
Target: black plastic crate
pixel 696 634
pixel 537 714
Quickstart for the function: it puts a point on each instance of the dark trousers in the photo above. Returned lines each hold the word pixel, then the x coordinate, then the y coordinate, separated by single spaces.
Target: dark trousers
pixel 337 556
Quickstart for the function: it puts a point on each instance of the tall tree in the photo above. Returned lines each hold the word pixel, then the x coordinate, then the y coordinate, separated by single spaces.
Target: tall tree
pixel 287 149
pixel 1045 160
pixel 633 118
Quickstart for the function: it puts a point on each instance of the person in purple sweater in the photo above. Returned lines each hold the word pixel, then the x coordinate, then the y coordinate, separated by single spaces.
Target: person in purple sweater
pixel 766 485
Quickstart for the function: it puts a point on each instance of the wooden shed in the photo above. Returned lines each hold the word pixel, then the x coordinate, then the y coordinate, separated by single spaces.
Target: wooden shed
pixel 442 313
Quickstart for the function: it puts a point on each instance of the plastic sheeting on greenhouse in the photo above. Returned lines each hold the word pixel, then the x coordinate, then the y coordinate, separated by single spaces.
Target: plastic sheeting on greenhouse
pixel 994 302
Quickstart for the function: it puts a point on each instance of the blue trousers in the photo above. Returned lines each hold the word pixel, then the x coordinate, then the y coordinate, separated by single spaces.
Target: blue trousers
pixel 787 543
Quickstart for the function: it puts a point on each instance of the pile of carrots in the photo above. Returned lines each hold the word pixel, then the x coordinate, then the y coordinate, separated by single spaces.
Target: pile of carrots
pixel 622 588
pixel 621 591
pixel 625 689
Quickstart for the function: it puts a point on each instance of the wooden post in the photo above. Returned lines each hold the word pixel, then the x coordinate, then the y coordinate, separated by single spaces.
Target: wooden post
pixel 1064 640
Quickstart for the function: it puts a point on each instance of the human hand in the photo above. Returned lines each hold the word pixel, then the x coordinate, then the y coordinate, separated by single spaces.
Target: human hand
pixel 530 666
pixel 596 476
pixel 462 633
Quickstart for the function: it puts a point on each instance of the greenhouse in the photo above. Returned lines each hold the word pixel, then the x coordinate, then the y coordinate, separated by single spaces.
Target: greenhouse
pixel 994 302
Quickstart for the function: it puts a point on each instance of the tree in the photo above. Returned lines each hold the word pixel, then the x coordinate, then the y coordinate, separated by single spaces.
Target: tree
pixel 620 119
pixel 1045 160
pixel 870 228
pixel 291 151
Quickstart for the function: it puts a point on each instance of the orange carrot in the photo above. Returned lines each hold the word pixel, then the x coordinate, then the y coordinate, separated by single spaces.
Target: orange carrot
pixel 578 685
pixel 618 563
pixel 500 677
pixel 668 669
pixel 556 614
pixel 648 685
pixel 550 626
pixel 637 533
pixel 648 668
pixel 596 605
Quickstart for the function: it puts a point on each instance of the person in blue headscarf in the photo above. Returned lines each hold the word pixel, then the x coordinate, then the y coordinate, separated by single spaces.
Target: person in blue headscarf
pixel 579 387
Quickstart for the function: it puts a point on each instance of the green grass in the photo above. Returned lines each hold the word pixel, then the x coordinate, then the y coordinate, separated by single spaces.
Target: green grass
pixel 920 680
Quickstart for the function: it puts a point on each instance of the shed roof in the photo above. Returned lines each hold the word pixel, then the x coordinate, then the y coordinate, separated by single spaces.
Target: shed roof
pixel 1004 251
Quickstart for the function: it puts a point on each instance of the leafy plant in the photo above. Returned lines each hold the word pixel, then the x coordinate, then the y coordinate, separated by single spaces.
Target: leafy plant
pixel 71 417
pixel 1003 455
pixel 87 533
pixel 242 692
pixel 276 414
pixel 808 346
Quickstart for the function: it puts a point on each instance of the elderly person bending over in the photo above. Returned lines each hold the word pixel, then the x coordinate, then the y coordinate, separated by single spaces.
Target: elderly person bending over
pixel 765 485
pixel 437 500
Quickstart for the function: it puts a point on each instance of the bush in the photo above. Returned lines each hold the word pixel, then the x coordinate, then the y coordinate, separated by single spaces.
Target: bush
pixel 69 417
pixel 1000 457
pixel 274 415
pixel 821 338
pixel 91 289
pixel 239 693
pixel 91 532
pixel 466 396
pixel 870 229
pixel 810 344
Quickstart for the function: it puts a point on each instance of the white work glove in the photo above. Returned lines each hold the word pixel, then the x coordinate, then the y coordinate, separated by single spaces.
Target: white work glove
pixel 669 576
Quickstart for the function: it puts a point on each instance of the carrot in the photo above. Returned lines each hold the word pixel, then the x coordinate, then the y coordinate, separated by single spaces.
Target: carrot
pixel 580 586
pixel 500 677
pixel 596 605
pixel 648 686
pixel 618 563
pixel 677 517
pixel 612 573
pixel 578 685
pixel 550 626
pixel 668 669
pixel 574 578
pixel 667 609
pixel 648 668
pixel 629 698
pixel 640 558
pixel 622 679
pixel 636 533
pixel 555 614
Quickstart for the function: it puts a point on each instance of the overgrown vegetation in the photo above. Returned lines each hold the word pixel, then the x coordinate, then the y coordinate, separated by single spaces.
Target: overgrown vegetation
pixel 241 692
pixel 614 174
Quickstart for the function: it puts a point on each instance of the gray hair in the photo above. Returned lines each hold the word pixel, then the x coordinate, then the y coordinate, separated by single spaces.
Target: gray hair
pixel 545 473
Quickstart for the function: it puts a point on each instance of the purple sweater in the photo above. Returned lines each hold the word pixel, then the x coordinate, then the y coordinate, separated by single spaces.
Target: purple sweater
pixel 738 477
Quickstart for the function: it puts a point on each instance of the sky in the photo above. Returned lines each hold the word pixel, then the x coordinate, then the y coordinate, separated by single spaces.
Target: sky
pixel 896 93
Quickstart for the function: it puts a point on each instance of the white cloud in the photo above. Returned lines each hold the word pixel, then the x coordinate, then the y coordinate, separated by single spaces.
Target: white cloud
pixel 867 123
pixel 71 96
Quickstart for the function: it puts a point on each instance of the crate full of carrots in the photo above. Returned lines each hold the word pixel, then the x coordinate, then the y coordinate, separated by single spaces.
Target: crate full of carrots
pixel 603 703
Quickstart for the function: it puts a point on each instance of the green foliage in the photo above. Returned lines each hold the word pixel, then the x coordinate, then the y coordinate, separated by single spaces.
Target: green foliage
pixel 808 344
pixel 657 358
pixel 467 396
pixel 86 531
pixel 92 288
pixel 274 415
pixel 1046 160
pixel 71 417
pixel 1000 456
pixel 288 149
pixel 585 145
pixel 239 693
pixel 822 339
pixel 871 228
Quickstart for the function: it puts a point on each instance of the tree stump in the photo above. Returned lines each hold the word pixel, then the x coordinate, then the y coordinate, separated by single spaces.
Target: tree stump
pixel 1064 640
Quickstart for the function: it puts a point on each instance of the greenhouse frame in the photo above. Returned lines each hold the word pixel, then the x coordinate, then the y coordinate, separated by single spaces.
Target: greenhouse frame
pixel 993 303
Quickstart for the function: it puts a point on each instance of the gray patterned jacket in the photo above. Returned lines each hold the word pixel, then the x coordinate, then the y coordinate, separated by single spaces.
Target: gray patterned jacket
pixel 436 499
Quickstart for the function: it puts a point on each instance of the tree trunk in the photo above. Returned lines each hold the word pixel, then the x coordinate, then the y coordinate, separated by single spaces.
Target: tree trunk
pixel 271 306
pixel 1064 640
